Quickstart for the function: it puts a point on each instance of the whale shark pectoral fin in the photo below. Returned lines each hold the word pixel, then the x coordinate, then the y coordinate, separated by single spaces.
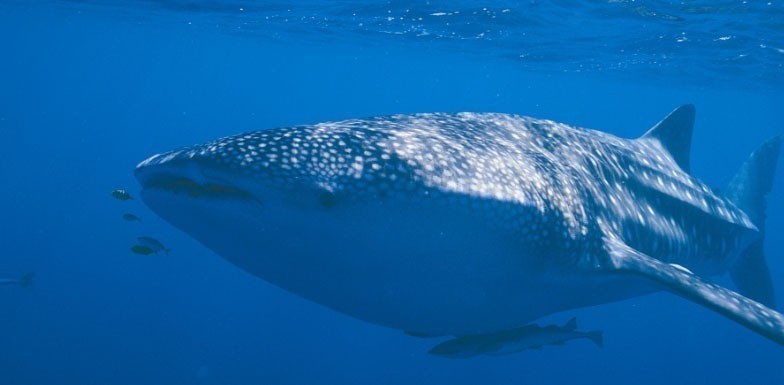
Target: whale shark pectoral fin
pixel 745 311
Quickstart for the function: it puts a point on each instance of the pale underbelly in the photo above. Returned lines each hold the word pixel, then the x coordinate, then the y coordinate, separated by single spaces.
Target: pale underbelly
pixel 436 274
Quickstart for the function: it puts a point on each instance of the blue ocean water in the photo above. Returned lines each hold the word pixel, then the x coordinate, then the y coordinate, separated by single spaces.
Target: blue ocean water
pixel 90 88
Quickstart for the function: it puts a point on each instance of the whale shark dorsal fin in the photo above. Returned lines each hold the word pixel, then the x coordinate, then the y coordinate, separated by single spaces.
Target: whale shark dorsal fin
pixel 674 134
pixel 745 311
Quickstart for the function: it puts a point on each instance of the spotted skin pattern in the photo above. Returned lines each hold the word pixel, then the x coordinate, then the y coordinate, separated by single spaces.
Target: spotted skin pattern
pixel 558 189
pixel 569 185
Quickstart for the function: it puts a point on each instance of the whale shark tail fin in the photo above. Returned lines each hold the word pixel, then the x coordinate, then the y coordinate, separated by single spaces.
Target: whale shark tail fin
pixel 26 280
pixel 748 190
pixel 674 133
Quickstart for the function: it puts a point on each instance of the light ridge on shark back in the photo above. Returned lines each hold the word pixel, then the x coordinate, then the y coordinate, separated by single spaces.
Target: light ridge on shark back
pixel 472 223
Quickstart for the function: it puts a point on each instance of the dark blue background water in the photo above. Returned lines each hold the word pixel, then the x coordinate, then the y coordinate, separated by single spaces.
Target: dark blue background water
pixel 87 91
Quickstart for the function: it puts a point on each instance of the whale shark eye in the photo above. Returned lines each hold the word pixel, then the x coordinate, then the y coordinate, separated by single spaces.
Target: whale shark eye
pixel 327 199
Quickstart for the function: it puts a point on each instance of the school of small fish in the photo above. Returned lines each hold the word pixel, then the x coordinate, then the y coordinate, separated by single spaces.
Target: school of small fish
pixel 145 245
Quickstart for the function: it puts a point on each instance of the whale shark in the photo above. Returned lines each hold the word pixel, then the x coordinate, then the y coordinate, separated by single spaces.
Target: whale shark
pixel 466 224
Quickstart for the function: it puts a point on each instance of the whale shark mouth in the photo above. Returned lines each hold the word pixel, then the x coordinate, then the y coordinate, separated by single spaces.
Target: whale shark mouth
pixel 186 178
pixel 186 186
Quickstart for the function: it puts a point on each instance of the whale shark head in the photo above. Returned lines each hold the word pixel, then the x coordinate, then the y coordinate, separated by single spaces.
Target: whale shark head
pixel 284 204
pixel 355 218
pixel 276 188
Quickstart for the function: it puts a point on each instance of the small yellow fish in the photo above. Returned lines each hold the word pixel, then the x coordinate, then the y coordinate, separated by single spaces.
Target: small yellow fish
pixel 142 250
pixel 121 195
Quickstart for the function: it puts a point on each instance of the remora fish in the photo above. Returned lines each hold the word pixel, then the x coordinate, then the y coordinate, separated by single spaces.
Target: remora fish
pixel 24 281
pixel 472 223
pixel 513 341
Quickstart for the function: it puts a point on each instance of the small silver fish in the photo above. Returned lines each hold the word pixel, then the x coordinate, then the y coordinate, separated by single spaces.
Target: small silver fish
pixel 154 244
pixel 24 281
pixel 121 195
pixel 513 341
pixel 131 218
